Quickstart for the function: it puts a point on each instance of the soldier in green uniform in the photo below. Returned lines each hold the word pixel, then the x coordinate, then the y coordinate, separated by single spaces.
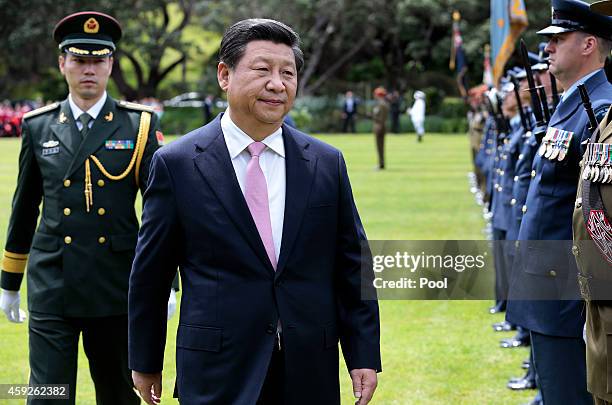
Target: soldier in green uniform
pixel 85 159
pixel 592 228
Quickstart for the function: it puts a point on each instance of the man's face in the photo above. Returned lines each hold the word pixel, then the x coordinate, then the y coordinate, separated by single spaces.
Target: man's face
pixel 261 88
pixel 86 77
pixel 564 53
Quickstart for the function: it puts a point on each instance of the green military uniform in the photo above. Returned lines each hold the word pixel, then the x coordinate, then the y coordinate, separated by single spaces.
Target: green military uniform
pixel 379 117
pixel 80 255
pixel 595 266
pixel 79 249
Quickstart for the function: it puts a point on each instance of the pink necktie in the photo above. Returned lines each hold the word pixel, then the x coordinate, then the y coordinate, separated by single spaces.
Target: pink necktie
pixel 256 195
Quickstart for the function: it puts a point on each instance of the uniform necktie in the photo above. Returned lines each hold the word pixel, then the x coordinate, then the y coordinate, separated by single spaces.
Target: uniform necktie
pixel 85 119
pixel 256 195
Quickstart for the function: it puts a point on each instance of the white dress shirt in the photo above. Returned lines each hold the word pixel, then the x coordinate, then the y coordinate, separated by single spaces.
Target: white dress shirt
pixel 272 162
pixel 94 111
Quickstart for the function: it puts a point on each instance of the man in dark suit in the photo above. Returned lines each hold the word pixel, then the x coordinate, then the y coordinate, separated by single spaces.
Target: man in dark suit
pixel 579 43
pixel 85 158
pixel 349 110
pixel 260 220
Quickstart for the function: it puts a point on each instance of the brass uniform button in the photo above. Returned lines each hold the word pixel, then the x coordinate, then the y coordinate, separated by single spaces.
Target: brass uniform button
pixel 101 239
pixel 67 240
pixel 552 273
pixel 521 156
pixel 501 172
pixel 516 178
pixel 533 173
pixel 524 209
pixel 500 189
pixel 513 201
pixel 101 211
pixel 575 250
pixel 100 183
pixel 67 211
pixel 66 183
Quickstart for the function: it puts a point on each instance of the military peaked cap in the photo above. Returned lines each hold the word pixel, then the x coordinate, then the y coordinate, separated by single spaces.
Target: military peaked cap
pixel 88 34
pixel 576 15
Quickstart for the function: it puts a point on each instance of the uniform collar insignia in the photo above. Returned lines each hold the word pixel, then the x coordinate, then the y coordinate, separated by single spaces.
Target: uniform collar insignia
pixel 109 117
pixel 50 144
pixel 62 118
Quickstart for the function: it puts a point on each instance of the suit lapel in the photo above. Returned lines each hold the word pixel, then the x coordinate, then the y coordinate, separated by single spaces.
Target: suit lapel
pixel 214 164
pixel 65 129
pixel 300 168
pixel 101 130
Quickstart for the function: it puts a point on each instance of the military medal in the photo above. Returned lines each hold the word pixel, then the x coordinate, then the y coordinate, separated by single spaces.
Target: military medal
pixel 562 154
pixel 586 173
pixel 119 144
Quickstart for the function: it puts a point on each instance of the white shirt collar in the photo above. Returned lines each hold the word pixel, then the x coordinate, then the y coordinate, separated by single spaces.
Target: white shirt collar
pixel 574 86
pixel 237 140
pixel 93 111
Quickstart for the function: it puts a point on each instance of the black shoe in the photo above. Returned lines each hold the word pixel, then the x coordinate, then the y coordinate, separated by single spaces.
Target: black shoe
pixel 519 384
pixel 525 365
pixel 509 343
pixel 503 326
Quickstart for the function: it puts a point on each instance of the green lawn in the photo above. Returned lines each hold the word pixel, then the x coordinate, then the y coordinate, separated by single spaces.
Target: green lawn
pixel 433 352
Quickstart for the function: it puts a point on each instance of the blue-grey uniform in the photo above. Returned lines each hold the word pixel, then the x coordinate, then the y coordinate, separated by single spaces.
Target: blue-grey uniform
pixel 547 215
pixel 556 325
pixel 486 154
pixel 500 205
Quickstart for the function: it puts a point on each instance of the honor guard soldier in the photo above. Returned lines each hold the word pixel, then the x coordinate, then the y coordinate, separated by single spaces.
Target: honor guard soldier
pixel 593 250
pixel 578 45
pixel 85 158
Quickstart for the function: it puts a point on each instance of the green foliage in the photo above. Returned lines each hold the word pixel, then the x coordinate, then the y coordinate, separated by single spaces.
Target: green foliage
pixel 179 121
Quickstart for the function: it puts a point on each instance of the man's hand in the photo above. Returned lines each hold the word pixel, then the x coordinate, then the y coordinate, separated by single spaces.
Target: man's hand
pixel 364 384
pixel 9 303
pixel 149 386
pixel 171 303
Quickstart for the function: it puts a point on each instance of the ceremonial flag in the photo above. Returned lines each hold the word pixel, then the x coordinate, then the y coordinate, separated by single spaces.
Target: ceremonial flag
pixel 458 61
pixel 487 75
pixel 508 21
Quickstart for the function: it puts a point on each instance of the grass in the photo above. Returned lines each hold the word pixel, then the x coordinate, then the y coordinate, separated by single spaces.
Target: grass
pixel 434 352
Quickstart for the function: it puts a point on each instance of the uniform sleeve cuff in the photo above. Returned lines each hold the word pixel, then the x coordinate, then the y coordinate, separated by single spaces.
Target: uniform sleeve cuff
pixel 14 262
pixel 10 281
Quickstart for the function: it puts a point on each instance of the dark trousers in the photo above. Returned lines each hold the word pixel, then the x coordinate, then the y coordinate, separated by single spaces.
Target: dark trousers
pixel 561 368
pixel 501 273
pixel 380 147
pixel 54 349
pixel 348 125
pixel 272 392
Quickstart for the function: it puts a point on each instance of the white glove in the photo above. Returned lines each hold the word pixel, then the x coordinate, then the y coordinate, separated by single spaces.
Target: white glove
pixel 9 303
pixel 171 303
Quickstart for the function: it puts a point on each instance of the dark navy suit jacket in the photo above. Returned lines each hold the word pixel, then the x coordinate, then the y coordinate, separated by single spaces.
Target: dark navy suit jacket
pixel 195 217
pixel 548 217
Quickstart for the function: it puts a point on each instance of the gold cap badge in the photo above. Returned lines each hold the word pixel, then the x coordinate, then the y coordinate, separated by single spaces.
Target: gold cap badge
pixel 91 26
